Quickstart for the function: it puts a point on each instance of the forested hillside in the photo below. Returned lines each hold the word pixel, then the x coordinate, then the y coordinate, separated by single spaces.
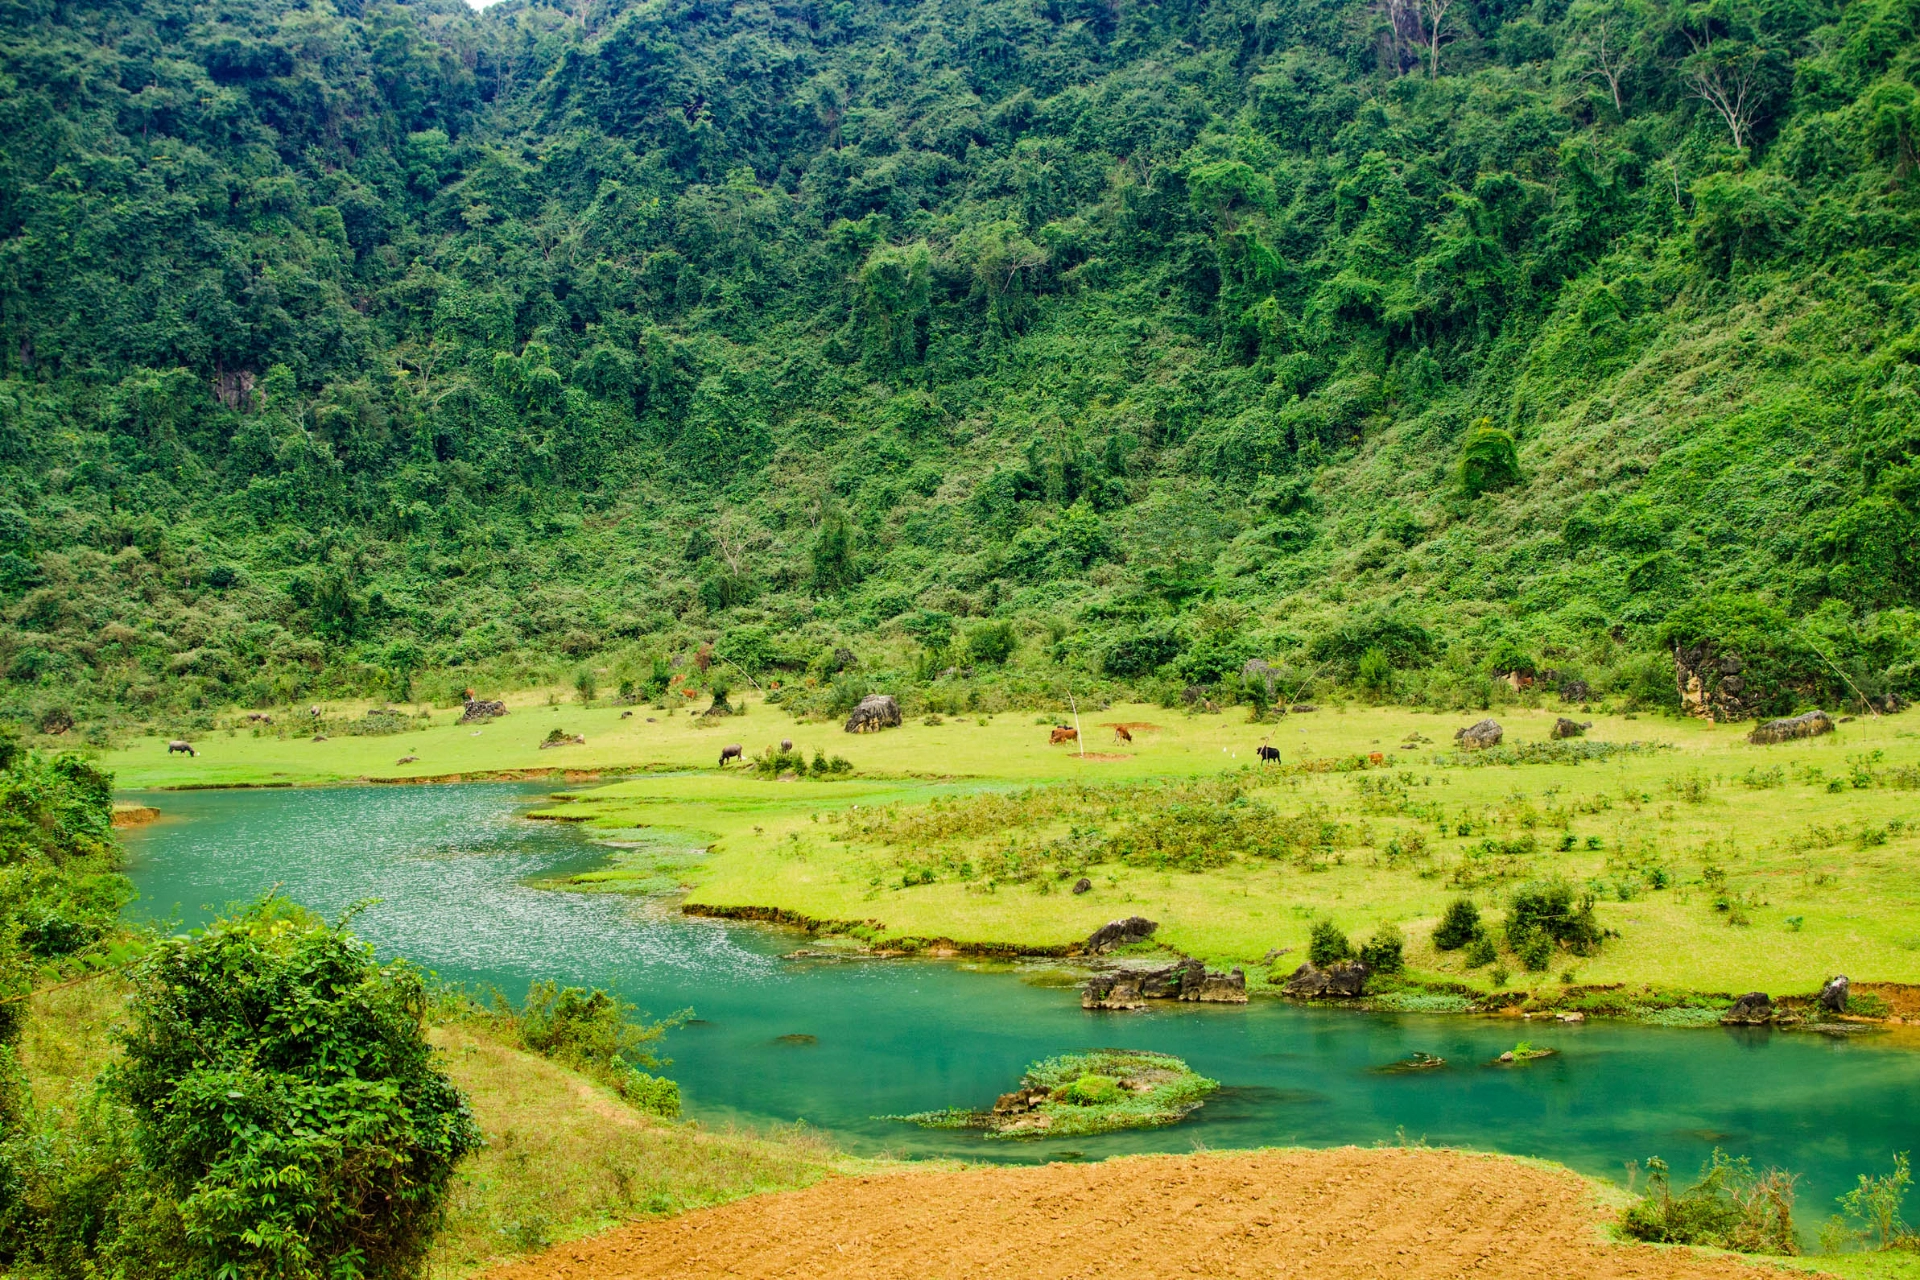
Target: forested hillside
pixel 1051 343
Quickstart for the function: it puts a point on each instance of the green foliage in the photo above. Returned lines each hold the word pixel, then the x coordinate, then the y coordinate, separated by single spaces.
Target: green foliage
pixel 598 1035
pixel 1488 460
pixel 1459 925
pixel 288 1116
pixel 1090 1091
pixel 1385 951
pixel 1327 945
pixel 1082 326
pixel 1876 1203
pixel 1550 910
pixel 1730 1207
pixel 992 643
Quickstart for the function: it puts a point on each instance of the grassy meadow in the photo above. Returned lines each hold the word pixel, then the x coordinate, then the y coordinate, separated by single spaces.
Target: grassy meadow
pixel 1720 865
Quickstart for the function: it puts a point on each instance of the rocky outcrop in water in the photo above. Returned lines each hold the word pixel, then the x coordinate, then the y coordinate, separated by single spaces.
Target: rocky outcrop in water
pixel 1808 725
pixel 1185 980
pixel 1117 933
pixel 1344 980
pixel 1754 1009
pixel 1478 737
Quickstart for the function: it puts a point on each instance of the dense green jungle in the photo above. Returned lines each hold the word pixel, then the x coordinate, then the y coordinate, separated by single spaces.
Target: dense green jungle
pixel 980 350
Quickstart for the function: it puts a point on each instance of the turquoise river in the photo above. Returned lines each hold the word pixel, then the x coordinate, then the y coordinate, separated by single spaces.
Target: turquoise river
pixel 451 865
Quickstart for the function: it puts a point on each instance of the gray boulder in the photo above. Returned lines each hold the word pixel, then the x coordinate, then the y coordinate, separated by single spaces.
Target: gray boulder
pixel 1083 885
pixel 478 710
pixel 876 711
pixel 1117 933
pixel 1478 737
pixel 1808 725
pixel 1754 1009
pixel 1565 728
pixel 1833 996
pixel 1575 691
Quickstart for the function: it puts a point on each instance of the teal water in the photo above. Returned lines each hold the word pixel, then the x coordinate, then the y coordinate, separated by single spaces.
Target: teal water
pixel 900 1036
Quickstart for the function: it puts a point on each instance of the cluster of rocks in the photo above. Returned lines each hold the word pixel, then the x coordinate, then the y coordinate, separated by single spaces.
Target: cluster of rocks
pixel 1565 728
pixel 1020 1101
pixel 477 710
pixel 1183 980
pixel 1345 979
pixel 564 740
pixel 1757 1009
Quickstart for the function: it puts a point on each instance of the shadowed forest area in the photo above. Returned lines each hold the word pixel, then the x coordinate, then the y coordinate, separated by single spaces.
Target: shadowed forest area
pixel 972 349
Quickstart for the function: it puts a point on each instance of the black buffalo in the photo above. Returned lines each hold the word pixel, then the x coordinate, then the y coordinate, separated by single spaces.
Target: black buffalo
pixel 1267 753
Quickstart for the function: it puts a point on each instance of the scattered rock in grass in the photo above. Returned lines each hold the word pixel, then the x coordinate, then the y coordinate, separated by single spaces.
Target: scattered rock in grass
pixel 319 737
pixel 1833 996
pixel 1300 708
pixel 1345 979
pixel 1082 885
pixel 561 738
pixel 1478 737
pixel 1754 1009
pixel 628 715
pixel 1565 728
pixel 1116 933
pixel 478 710
pixel 1575 691
pixel 876 711
pixel 1808 725
pixel 406 759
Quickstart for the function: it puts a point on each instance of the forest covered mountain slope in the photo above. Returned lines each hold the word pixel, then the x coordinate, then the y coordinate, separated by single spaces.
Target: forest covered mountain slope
pixel 1050 342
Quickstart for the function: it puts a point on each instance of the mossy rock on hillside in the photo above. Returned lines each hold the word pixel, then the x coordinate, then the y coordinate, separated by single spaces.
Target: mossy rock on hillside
pixel 1084 1093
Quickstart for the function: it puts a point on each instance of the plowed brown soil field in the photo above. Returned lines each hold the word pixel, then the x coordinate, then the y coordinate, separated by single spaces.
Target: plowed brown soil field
pixel 1349 1212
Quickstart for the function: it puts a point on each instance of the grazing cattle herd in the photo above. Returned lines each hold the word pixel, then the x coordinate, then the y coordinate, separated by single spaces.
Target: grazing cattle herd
pixel 1062 734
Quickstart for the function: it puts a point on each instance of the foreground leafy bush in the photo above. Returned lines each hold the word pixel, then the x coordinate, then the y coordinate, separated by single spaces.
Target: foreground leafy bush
pixel 1730 1207
pixel 287 1114
pixel 1326 944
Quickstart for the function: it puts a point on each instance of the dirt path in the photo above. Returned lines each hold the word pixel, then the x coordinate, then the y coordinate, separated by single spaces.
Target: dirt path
pixel 1350 1212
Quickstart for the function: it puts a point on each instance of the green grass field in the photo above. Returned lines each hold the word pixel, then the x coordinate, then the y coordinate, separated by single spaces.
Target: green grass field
pixel 1721 865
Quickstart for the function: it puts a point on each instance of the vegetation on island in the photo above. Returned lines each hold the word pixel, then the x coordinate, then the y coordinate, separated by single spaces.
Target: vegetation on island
pixel 968 350
pixel 1078 1094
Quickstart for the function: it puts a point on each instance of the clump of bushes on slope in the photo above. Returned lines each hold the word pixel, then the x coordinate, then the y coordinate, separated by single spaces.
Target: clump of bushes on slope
pixel 598 1035
pixel 276 1111
pixel 1730 1207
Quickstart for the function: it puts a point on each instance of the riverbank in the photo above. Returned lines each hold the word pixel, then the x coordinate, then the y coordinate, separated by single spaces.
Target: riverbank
pixel 1714 865
pixel 565 1157
pixel 1343 1212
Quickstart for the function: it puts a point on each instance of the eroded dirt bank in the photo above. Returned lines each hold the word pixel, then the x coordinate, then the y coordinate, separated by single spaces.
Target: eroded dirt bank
pixel 1346 1212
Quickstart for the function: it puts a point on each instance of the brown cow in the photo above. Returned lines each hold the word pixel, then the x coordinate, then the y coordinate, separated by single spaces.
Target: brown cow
pixel 1063 735
pixel 730 752
pixel 1120 734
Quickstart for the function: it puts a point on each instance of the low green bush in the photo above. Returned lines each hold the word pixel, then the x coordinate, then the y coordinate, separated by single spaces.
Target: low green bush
pixel 1730 1207
pixel 1385 952
pixel 1549 908
pixel 1459 925
pixel 1327 945
pixel 600 1036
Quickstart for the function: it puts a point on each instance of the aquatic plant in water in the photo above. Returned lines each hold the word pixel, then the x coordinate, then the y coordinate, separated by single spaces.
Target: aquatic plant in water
pixel 1083 1093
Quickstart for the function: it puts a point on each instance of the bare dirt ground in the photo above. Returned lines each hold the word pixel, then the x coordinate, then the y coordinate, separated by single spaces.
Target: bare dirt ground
pixel 1348 1212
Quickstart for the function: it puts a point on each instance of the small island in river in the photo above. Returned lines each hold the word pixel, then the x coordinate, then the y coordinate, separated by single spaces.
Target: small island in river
pixel 1098 1091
